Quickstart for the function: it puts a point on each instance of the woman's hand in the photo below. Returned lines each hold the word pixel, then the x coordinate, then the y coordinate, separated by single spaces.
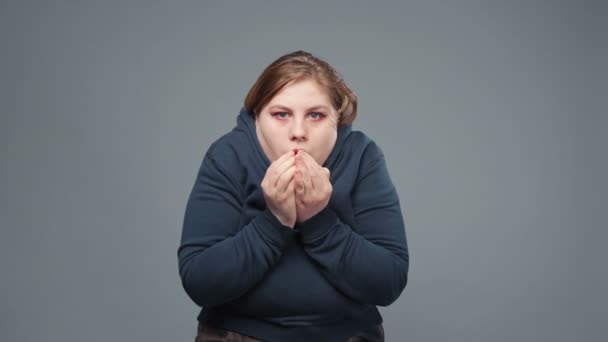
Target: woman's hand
pixel 312 186
pixel 278 188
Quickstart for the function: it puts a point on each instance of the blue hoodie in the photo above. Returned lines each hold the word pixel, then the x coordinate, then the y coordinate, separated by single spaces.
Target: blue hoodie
pixel 320 281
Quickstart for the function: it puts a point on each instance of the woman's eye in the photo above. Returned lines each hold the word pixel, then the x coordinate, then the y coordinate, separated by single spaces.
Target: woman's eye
pixel 281 115
pixel 316 115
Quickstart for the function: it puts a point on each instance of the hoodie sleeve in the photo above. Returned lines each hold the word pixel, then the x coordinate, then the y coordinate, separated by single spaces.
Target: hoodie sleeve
pixel 368 262
pixel 218 260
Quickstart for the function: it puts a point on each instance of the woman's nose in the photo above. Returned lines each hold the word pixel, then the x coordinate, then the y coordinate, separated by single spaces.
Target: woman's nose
pixel 298 130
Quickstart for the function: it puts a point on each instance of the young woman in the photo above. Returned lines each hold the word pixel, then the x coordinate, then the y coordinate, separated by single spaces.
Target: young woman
pixel 293 230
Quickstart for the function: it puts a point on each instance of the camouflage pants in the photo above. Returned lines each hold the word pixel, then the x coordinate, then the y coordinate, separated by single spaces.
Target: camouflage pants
pixel 210 334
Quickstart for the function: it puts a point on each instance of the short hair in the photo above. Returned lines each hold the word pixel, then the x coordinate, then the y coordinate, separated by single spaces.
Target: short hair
pixel 298 66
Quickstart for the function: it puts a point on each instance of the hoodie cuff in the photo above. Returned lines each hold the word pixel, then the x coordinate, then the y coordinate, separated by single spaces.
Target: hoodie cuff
pixel 318 225
pixel 269 226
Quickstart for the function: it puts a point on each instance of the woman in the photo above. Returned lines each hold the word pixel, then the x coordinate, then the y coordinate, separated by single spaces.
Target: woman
pixel 293 229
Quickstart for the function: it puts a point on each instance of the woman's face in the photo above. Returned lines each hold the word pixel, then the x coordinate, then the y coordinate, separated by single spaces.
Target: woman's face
pixel 299 116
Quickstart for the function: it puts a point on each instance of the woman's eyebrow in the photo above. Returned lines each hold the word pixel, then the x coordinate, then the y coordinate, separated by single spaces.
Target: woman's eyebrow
pixel 285 108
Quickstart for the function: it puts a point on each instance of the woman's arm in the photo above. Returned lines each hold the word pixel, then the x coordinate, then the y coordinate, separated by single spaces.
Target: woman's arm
pixel 368 262
pixel 218 260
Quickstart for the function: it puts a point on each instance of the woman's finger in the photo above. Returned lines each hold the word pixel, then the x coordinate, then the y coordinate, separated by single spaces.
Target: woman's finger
pixel 285 178
pixel 280 166
pixel 314 171
pixel 306 173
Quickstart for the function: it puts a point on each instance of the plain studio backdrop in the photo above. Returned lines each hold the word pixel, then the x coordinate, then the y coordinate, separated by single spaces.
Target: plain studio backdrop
pixel 492 117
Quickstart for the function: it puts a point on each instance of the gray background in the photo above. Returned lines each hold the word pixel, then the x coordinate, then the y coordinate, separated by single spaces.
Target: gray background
pixel 492 116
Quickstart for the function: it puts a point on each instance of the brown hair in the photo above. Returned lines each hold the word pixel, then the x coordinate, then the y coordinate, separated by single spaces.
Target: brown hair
pixel 297 66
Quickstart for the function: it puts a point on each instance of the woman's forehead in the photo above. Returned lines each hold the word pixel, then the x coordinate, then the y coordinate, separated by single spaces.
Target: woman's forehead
pixel 303 94
pixel 320 107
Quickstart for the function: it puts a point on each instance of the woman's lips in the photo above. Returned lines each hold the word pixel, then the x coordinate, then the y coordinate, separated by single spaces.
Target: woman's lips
pixel 296 150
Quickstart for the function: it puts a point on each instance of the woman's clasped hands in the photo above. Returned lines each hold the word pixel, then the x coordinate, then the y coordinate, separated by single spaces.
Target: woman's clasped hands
pixel 296 187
